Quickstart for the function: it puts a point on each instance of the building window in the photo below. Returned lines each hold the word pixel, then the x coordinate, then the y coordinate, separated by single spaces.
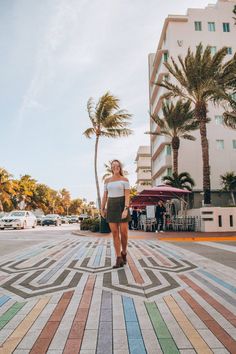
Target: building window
pixel 226 27
pixel 220 144
pixel 168 150
pixel 165 57
pixel 219 120
pixel 211 26
pixel 213 50
pixel 229 50
pixel 198 25
pixel 220 220
pixel 169 171
pixel 234 144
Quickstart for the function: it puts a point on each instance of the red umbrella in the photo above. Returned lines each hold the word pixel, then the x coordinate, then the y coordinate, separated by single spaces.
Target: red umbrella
pixel 165 190
pixel 152 195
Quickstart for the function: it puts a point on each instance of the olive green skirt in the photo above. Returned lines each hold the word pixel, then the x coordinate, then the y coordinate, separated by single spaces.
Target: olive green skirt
pixel 115 207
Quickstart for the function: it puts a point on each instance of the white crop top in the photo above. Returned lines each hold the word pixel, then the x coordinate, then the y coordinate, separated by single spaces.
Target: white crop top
pixel 116 188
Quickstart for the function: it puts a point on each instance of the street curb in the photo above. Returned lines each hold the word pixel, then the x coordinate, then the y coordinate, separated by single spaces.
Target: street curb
pixel 198 239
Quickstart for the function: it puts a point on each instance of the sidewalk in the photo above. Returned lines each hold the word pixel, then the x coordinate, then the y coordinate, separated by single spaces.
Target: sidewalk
pixel 64 297
pixel 168 236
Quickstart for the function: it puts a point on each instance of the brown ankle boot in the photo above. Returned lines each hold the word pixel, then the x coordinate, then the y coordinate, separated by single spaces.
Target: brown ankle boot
pixel 124 257
pixel 119 263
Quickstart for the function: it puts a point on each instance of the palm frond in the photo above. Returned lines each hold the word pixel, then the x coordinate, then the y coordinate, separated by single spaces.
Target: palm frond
pixel 188 137
pixel 106 105
pixel 90 109
pixel 230 119
pixel 89 132
pixel 116 132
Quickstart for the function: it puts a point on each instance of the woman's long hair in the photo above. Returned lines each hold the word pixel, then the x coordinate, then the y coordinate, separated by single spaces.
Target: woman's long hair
pixel 121 167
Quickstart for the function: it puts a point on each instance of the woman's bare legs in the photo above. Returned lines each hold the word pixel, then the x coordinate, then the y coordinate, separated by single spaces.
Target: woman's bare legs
pixel 124 236
pixel 116 237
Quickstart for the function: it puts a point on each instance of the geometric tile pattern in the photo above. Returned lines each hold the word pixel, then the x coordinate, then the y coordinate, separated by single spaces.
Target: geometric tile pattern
pixel 63 297
pixel 62 266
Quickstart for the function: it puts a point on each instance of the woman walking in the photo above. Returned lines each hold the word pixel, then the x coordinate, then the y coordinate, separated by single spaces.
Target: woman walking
pixel 116 197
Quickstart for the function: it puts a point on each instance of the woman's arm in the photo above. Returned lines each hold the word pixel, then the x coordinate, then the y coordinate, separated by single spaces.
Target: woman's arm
pixel 104 201
pixel 127 198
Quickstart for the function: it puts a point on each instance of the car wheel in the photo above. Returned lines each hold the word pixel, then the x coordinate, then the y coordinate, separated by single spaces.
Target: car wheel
pixel 2 228
pixel 35 224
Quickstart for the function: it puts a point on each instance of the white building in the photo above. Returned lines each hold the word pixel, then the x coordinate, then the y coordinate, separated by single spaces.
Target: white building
pixel 143 168
pixel 212 26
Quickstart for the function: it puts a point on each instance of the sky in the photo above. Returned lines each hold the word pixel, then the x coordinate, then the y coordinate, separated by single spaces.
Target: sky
pixel 54 56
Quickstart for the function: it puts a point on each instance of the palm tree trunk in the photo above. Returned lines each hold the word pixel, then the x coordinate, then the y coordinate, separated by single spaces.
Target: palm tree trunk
pixel 206 166
pixel 175 161
pixel 96 172
pixel 175 144
pixel 232 196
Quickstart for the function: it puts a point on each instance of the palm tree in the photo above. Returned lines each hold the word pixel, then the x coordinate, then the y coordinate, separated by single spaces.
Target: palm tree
pixel 228 180
pixel 182 181
pixel 6 188
pixel 108 172
pixel 178 120
pixel 26 189
pixel 75 206
pixel 108 120
pixel 133 191
pixel 201 78
pixel 65 199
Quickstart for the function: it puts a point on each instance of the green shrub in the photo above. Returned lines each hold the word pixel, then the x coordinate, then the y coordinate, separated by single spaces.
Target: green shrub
pixel 90 224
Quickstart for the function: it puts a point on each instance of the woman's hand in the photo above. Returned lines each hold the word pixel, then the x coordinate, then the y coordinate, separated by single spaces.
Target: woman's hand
pixel 124 214
pixel 103 213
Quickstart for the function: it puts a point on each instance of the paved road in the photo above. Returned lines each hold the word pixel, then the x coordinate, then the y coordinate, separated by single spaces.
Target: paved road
pixel 59 294
pixel 15 240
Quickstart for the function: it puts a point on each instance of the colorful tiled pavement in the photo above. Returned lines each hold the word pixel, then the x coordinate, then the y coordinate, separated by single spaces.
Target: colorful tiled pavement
pixel 64 297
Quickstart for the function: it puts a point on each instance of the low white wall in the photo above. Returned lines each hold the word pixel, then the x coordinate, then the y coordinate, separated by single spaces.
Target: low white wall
pixel 194 212
pixel 215 219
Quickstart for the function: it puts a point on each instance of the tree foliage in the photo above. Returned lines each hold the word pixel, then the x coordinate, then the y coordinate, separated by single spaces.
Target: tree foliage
pixel 107 120
pixel 201 77
pixel 177 123
pixel 182 181
pixel 35 196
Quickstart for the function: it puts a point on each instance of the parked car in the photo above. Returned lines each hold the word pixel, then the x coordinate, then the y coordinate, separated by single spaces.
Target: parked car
pixel 73 219
pixel 18 219
pixel 83 216
pixel 51 219
pixel 64 219
pixel 39 219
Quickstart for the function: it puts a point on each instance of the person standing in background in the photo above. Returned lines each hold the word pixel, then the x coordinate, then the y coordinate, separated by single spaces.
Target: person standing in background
pixel 131 221
pixel 135 218
pixel 159 214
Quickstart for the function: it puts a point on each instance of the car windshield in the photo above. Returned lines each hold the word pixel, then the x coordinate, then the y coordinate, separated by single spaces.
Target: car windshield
pixel 17 213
